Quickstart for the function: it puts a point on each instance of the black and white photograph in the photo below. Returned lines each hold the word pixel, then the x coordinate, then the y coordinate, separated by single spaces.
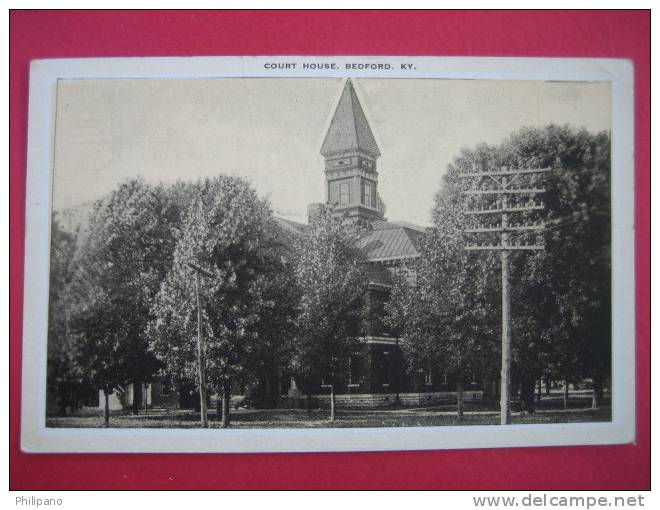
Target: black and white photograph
pixel 284 252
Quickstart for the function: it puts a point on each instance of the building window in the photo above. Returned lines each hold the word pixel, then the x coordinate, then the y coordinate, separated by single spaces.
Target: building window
pixel 428 378
pixel 344 196
pixel 385 368
pixel 354 376
pixel 367 191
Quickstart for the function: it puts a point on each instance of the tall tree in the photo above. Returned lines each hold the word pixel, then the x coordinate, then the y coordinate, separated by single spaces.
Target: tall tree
pixel 245 304
pixel 560 296
pixel 565 291
pixel 331 280
pixel 64 363
pixel 447 320
pixel 126 252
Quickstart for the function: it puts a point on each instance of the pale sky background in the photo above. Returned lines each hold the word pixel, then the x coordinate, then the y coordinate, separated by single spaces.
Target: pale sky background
pixel 271 131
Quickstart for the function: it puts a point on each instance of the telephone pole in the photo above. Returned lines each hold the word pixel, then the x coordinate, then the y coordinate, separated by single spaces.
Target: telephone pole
pixel 201 361
pixel 505 200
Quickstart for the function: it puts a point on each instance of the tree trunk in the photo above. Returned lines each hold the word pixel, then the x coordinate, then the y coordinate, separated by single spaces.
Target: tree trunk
pixel 106 408
pixel 332 402
pixel 218 407
pixel 527 393
pixel 136 401
pixel 75 402
pixel 565 394
pixel 596 392
pixel 226 397
pixel 594 398
pixel 540 390
pixel 459 401
pixel 547 384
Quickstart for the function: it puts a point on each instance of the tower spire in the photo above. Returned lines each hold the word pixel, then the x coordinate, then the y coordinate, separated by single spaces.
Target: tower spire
pixel 349 129
pixel 350 152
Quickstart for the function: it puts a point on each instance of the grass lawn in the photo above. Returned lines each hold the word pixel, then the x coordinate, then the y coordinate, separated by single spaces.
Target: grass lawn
pixel 298 418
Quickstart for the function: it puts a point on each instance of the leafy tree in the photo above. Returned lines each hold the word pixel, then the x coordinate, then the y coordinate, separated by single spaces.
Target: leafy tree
pixel 64 364
pixel 565 291
pixel 447 320
pixel 560 297
pixel 245 304
pixel 127 251
pixel 332 284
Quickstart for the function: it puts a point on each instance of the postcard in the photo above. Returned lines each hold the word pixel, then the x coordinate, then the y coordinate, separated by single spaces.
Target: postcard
pixel 263 254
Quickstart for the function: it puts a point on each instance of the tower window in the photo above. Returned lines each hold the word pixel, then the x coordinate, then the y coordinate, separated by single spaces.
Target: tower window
pixel 366 194
pixel 344 196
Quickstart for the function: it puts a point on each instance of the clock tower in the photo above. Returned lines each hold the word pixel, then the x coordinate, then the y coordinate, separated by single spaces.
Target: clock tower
pixel 350 152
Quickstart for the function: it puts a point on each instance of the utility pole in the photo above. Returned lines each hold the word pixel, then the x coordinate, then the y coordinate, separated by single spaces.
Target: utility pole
pixel 506 200
pixel 201 362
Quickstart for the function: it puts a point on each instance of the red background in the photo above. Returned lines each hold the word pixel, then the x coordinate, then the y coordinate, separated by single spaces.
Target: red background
pixel 43 34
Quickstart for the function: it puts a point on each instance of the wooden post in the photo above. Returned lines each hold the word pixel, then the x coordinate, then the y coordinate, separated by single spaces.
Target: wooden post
pixel 504 178
pixel 332 402
pixel 106 407
pixel 459 400
pixel 200 359
pixel 506 321
pixel 506 343
pixel 226 399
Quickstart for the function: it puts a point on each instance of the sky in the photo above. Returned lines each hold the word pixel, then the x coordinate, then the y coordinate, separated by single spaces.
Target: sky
pixel 271 130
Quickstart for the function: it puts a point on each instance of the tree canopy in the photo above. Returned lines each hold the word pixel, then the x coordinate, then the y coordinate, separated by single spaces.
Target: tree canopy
pixel 64 361
pixel 332 283
pixel 560 296
pixel 123 255
pixel 227 231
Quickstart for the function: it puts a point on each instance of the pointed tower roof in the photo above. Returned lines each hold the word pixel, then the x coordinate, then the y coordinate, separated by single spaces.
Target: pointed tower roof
pixel 349 129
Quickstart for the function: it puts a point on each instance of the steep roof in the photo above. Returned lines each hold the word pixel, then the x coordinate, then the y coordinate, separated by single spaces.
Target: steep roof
pixel 386 241
pixel 349 129
pixel 288 232
pixel 391 241
pixel 291 226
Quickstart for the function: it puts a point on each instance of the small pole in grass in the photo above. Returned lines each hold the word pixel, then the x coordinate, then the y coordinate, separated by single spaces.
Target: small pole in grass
pixel 201 362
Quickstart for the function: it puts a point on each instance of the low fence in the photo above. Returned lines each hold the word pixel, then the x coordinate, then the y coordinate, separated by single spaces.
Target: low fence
pixel 381 399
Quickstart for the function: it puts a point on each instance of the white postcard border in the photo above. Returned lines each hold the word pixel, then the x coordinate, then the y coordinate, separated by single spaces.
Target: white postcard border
pixel 35 437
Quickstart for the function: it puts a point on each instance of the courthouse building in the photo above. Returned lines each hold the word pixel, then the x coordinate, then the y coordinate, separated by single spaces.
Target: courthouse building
pixel 376 373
